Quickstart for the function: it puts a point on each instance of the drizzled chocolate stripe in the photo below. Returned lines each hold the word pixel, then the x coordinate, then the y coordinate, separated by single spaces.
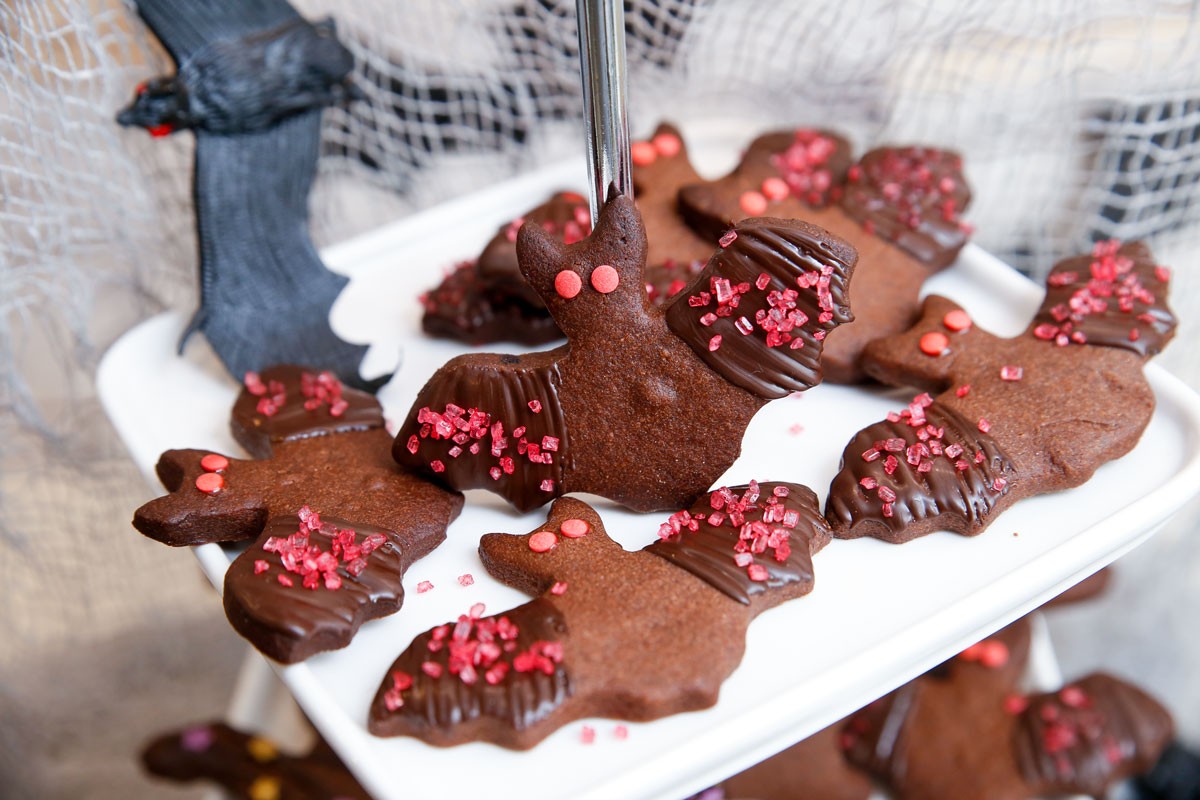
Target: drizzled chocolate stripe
pixel 708 553
pixel 258 432
pixel 1089 735
pixel 783 250
pixel 966 495
pixel 874 738
pixel 1130 287
pixel 291 623
pixel 518 700
pixel 502 387
pixel 911 196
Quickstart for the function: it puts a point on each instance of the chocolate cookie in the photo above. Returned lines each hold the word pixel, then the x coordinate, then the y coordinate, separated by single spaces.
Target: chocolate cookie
pixel 963 730
pixel 487 299
pixel 331 459
pixel 631 635
pixel 1014 417
pixel 248 766
pixel 814 769
pixel 890 207
pixel 587 416
pixel 675 253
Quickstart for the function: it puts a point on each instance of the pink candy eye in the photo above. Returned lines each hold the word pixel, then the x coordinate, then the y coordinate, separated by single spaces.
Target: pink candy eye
pixel 605 279
pixel 567 284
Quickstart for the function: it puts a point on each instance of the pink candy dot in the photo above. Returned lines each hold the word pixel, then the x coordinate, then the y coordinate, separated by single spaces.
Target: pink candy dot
pixel 957 320
pixel 214 463
pixel 643 154
pixel 605 279
pixel 574 528
pixel 210 483
pixel 934 343
pixel 543 541
pixel 567 284
pixel 775 189
pixel 667 144
pixel 753 203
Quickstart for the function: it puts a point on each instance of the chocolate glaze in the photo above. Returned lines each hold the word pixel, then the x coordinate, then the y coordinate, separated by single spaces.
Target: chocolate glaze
pixel 502 388
pixel 1153 321
pixel 290 623
pixel 565 215
pixel 258 433
pixel 783 249
pixel 518 700
pixel 1110 731
pixel 916 218
pixel 965 495
pixel 466 307
pixel 708 552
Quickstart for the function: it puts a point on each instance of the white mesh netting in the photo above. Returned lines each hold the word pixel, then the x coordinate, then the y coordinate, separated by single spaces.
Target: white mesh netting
pixel 1078 119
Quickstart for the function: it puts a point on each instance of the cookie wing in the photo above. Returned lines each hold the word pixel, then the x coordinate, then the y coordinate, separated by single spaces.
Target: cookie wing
pixel 191 515
pixel 759 312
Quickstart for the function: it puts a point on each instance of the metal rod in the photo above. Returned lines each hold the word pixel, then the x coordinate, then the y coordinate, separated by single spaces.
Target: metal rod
pixel 602 63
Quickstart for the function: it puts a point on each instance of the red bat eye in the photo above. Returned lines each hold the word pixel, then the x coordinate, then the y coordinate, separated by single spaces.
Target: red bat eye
pixel 141 88
pixel 159 131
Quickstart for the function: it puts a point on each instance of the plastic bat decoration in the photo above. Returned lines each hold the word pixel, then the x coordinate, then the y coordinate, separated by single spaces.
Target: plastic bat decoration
pixel 252 77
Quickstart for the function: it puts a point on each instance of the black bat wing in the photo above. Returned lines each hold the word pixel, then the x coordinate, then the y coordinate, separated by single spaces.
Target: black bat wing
pixel 184 26
pixel 265 294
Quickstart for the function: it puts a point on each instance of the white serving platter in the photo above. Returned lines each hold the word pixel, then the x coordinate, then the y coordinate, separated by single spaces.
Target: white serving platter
pixel 880 614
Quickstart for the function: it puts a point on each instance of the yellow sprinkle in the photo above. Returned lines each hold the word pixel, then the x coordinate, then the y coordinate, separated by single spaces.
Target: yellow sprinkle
pixel 261 750
pixel 264 788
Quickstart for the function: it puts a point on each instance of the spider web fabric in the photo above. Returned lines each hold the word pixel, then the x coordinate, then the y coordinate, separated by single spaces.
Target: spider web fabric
pixel 1078 120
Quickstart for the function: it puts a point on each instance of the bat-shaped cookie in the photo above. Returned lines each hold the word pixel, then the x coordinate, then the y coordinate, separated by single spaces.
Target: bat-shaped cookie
pixel 1011 418
pixel 961 735
pixel 249 767
pixel 336 522
pixel 898 207
pixel 251 80
pixel 632 635
pixel 601 414
pixel 489 300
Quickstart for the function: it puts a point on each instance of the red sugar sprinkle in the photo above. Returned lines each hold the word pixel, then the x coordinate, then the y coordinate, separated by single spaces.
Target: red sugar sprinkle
pixel 1015 703
pixel 933 343
pixel 621 732
pixel 254 385
pixel 559 588
pixel 999 484
pixel 432 669
pixel 605 279
pixel 984 425
pixel 437 466
pixel 727 238
pixel 567 283
pixel 424 586
pixel 546 485
pixel 957 320
pixel 476 610
pixel 757 572
pixel 574 528
pixel 543 541
pixel 1010 372
pixel 752 203
pixel 714 343
pixel 214 463
pixel 261 566
pixel 535 406
pixel 587 735
pixel 762 281
pixel 963 390
pixel 210 482
pixel 643 154
pixel 285 580
pixel 466 579
pixel 1074 697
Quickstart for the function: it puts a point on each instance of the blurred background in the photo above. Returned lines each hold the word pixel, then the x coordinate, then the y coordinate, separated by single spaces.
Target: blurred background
pixel 1078 119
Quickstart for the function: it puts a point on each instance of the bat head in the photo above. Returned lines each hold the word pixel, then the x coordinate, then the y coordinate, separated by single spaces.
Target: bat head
pixel 159 106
